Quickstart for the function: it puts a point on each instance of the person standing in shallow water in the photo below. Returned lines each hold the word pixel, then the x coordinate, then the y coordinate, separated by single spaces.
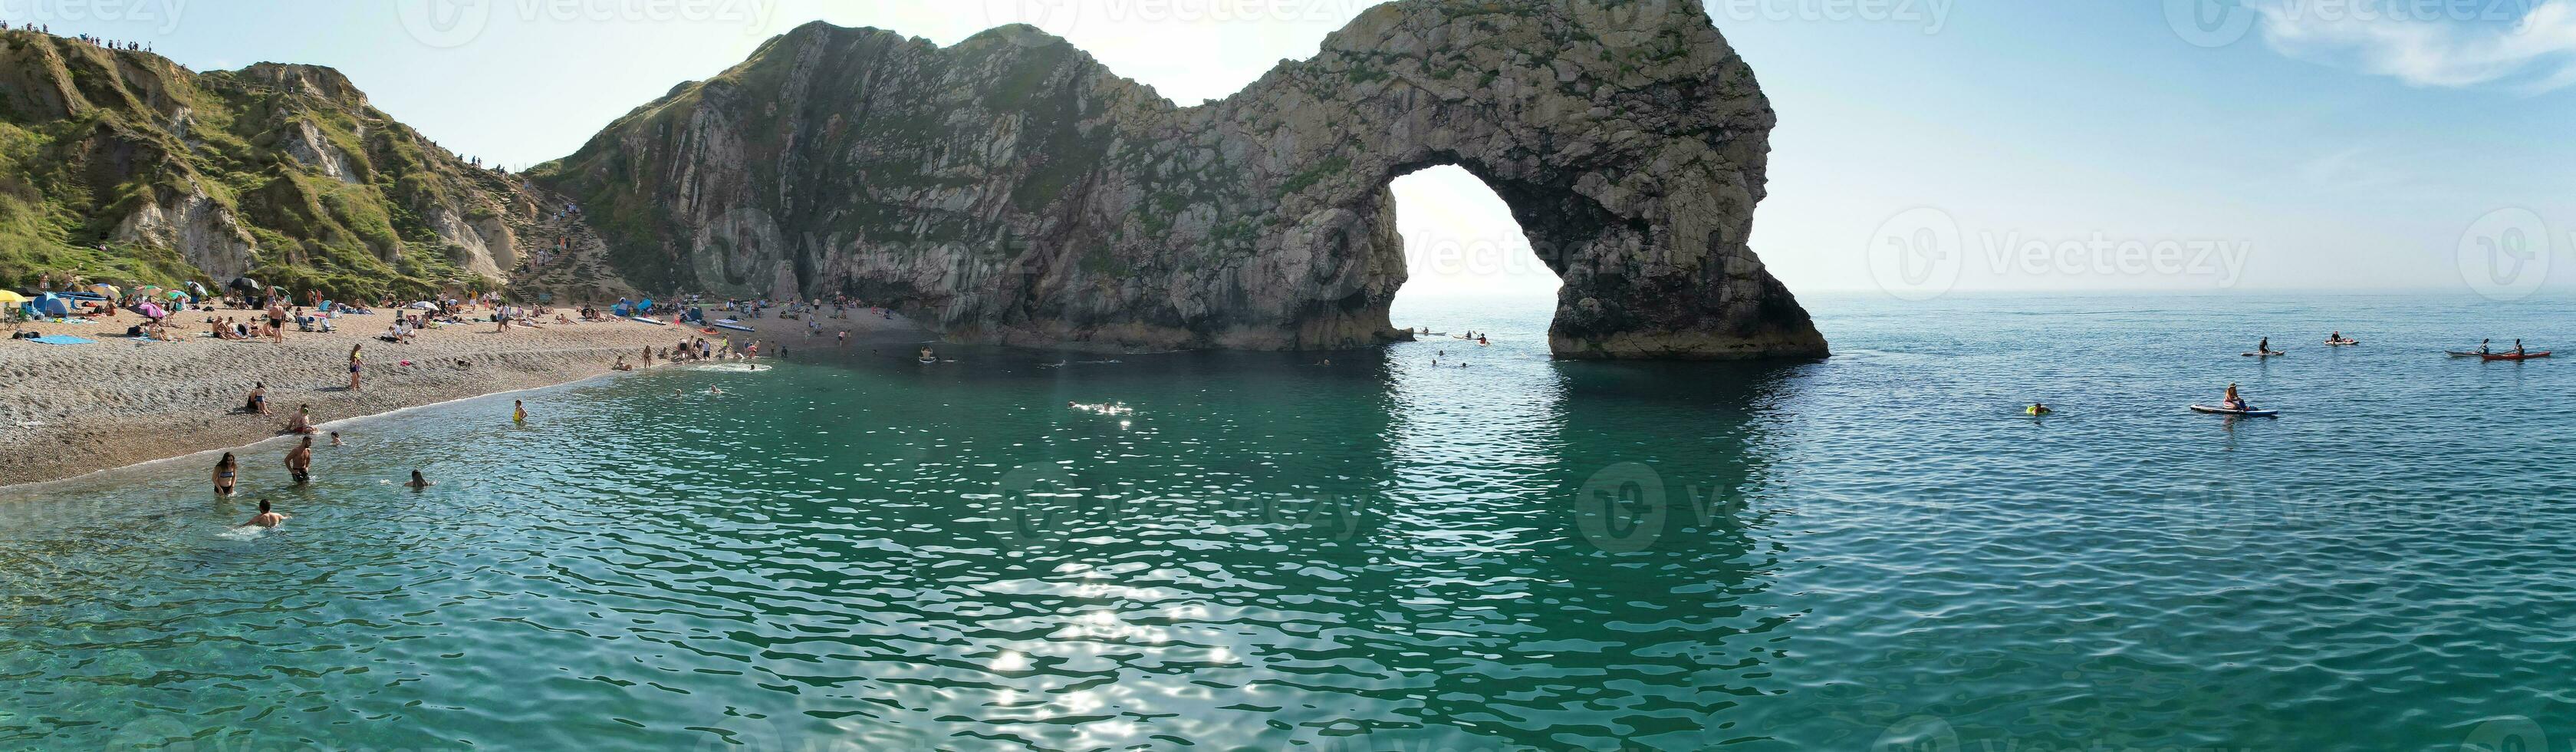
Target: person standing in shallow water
pixel 299 461
pixel 226 470
pixel 518 411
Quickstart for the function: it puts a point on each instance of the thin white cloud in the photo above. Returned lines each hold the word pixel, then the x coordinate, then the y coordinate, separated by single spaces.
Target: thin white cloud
pixel 2535 53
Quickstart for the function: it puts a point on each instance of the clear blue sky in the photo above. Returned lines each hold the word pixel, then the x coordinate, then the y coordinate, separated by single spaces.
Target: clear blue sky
pixel 2302 143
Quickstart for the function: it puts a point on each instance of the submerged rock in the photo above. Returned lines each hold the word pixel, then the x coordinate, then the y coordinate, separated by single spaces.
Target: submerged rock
pixel 1010 188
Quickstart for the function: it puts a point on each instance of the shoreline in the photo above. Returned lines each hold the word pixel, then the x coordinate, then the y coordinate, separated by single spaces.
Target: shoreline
pixel 281 440
pixel 72 411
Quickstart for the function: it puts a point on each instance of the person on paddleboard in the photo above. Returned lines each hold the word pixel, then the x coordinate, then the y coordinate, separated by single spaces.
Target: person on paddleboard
pixel 2234 402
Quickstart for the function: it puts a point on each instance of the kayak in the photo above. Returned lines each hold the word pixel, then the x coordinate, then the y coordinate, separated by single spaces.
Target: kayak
pixel 2345 343
pixel 2265 354
pixel 2511 356
pixel 2242 413
pixel 2463 353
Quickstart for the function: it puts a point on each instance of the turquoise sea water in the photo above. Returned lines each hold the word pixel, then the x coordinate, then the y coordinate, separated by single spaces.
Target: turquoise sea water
pixel 857 551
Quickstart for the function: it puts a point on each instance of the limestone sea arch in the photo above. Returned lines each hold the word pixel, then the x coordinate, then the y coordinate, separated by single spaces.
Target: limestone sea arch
pixel 1010 188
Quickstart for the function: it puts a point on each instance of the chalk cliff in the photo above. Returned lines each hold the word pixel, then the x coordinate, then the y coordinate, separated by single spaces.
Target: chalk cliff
pixel 1010 188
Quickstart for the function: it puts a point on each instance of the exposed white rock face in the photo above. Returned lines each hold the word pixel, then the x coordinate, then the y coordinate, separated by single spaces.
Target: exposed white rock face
pixel 1010 188
pixel 486 245
pixel 307 145
pixel 202 230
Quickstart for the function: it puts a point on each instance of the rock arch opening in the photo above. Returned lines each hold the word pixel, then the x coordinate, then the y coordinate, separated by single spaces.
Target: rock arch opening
pixel 1627 138
pixel 1467 261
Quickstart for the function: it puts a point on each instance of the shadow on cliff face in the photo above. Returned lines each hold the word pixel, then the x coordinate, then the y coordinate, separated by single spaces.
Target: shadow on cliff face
pixel 1010 188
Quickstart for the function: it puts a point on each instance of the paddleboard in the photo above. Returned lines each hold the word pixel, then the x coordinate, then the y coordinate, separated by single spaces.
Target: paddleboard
pixel 735 327
pixel 2265 354
pixel 2244 413
pixel 2345 343
pixel 929 360
pixel 642 320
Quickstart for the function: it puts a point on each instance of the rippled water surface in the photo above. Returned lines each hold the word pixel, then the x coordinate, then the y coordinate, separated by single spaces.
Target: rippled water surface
pixel 1263 551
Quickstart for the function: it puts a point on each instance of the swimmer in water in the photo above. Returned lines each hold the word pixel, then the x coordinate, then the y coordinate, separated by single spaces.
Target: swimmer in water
pixel 418 481
pixel 2038 409
pixel 265 518
pixel 335 438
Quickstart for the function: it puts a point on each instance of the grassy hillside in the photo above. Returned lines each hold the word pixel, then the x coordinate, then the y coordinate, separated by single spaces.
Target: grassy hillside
pixel 240 168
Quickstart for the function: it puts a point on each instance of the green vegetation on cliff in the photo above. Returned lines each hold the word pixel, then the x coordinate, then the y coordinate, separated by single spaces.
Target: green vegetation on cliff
pixel 123 166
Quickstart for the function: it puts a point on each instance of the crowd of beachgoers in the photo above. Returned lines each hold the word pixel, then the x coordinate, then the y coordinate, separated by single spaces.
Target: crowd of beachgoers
pixel 103 376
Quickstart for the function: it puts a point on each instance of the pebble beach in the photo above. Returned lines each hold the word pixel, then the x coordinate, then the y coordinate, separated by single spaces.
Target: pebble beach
pixel 75 409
